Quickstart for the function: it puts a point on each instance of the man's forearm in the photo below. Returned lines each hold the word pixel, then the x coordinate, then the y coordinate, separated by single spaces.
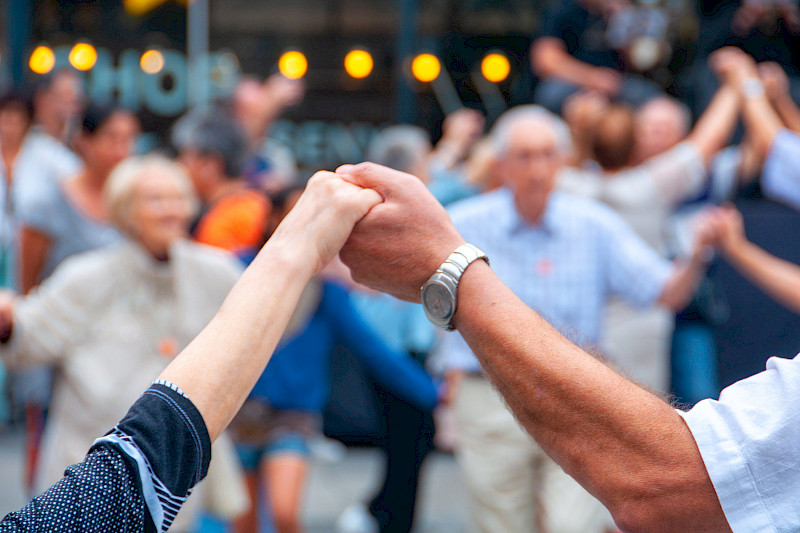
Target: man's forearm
pixel 623 444
pixel 778 278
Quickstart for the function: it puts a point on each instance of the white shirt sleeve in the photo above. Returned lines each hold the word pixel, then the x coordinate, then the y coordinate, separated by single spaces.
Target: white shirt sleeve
pixel 679 173
pixel 780 178
pixel 749 444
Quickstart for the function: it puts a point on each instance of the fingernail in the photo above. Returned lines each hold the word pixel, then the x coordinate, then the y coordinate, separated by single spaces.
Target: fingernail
pixel 345 169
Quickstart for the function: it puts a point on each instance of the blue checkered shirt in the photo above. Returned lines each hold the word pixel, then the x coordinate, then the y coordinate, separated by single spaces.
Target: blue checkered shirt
pixel 565 267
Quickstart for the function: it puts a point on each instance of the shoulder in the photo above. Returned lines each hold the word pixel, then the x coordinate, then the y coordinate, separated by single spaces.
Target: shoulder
pixel 88 272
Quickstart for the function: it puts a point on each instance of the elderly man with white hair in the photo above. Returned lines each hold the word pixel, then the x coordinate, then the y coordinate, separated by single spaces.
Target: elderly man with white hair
pixel 563 256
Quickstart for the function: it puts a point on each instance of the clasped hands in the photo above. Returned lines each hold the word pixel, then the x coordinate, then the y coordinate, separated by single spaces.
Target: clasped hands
pixel 386 226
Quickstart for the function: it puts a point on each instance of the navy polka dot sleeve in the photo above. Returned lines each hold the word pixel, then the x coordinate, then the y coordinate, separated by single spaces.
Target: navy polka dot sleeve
pixel 134 479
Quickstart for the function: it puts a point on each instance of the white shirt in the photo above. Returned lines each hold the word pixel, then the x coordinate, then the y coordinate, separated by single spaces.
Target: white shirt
pixel 780 178
pixel 647 194
pixel 750 444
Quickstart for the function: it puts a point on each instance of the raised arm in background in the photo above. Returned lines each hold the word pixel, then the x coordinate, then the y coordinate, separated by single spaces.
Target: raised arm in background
pixel 740 71
pixel 778 278
pixel 776 85
pixel 629 448
pixel 713 129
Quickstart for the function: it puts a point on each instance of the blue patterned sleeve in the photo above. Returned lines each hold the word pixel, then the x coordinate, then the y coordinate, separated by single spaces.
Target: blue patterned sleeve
pixel 136 478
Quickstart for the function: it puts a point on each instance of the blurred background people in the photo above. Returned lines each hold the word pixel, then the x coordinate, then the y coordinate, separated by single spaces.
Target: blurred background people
pixel 67 217
pixel 778 278
pixel 109 321
pixel 256 106
pixel 767 30
pixel 283 412
pixel 214 149
pixel 73 217
pixel 650 162
pixel 573 51
pixel 58 100
pixel 566 257
pixel 16 114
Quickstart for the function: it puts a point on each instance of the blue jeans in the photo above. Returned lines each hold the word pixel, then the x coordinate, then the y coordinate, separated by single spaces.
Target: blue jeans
pixel 694 362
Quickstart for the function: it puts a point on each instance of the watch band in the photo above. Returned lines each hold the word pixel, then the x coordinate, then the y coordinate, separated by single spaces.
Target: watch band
pixel 455 265
pixel 446 278
pixel 752 88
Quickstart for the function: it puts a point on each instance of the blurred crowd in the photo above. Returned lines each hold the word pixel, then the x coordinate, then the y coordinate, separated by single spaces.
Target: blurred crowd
pixel 601 204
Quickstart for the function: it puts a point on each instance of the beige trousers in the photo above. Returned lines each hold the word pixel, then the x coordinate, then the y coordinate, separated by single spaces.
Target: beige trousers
pixel 638 343
pixel 514 487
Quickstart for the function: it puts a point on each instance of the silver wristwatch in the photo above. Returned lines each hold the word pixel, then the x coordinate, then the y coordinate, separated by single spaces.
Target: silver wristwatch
pixel 439 292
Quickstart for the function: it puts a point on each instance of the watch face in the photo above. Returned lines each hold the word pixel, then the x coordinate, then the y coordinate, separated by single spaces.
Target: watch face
pixel 437 301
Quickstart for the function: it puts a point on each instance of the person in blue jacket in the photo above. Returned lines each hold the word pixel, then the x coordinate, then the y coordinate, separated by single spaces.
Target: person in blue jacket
pixel 283 411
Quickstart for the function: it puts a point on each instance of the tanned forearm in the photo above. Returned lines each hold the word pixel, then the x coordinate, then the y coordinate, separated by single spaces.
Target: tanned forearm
pixel 629 448
pixel 778 278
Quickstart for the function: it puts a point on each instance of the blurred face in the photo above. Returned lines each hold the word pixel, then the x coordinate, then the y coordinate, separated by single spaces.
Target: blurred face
pixel 62 101
pixel 160 213
pixel 67 96
pixel 659 127
pixel 13 125
pixel 530 165
pixel 202 170
pixel 110 144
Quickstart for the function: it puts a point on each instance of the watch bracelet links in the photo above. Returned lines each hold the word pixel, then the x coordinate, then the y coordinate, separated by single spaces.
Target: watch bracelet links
pixel 458 261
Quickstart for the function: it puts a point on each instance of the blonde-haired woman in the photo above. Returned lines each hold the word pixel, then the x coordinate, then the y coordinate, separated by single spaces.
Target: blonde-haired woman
pixel 110 320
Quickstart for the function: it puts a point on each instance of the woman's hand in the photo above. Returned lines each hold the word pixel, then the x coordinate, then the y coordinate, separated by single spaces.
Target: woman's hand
pixel 323 218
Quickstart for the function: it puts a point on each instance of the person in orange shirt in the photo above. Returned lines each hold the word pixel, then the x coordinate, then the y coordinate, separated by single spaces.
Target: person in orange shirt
pixel 213 148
